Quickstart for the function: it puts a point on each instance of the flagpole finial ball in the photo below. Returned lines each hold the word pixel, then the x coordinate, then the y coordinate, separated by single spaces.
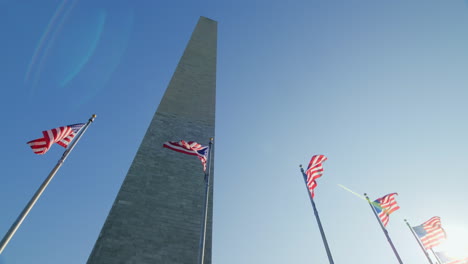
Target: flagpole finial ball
pixel 94 115
pixel 211 138
pixel 300 165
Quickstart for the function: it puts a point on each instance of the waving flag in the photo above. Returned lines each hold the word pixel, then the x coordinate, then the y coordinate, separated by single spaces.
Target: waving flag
pixel 385 206
pixel 446 259
pixel 190 148
pixel 314 171
pixel 430 232
pixel 61 135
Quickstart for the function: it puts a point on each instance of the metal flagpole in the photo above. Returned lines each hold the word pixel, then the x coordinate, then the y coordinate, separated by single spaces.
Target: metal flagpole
pixel 205 211
pixel 41 189
pixel 384 230
pixel 325 243
pixel 419 242
pixel 437 257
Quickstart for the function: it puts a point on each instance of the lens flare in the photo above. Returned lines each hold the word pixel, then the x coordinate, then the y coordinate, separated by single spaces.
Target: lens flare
pixel 89 52
pixel 456 245
pixel 360 196
pixel 349 190
pixel 46 41
pixel 78 56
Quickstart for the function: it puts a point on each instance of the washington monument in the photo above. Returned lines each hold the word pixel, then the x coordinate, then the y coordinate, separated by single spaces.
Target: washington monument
pixel 157 214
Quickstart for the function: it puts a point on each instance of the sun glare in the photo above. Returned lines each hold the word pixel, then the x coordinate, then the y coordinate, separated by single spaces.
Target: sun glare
pixel 456 245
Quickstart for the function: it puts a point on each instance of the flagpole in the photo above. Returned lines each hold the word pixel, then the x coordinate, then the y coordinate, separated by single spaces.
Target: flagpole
pixel 324 239
pixel 41 189
pixel 205 211
pixel 384 230
pixel 437 257
pixel 419 242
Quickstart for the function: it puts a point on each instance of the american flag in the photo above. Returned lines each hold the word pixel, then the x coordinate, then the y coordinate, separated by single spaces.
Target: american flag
pixel 385 206
pixel 190 148
pixel 314 171
pixel 430 232
pixel 60 135
pixel 446 259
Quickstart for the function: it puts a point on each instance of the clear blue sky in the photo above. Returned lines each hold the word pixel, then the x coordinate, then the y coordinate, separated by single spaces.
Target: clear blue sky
pixel 380 87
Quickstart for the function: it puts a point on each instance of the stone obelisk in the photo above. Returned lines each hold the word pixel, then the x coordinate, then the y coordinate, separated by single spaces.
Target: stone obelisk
pixel 157 215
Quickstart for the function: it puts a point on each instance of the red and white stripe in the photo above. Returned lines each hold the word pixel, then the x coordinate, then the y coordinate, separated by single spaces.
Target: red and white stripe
pixel 314 171
pixel 60 135
pixel 190 148
pixel 448 259
pixel 435 233
pixel 458 261
pixel 182 146
pixel 388 205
